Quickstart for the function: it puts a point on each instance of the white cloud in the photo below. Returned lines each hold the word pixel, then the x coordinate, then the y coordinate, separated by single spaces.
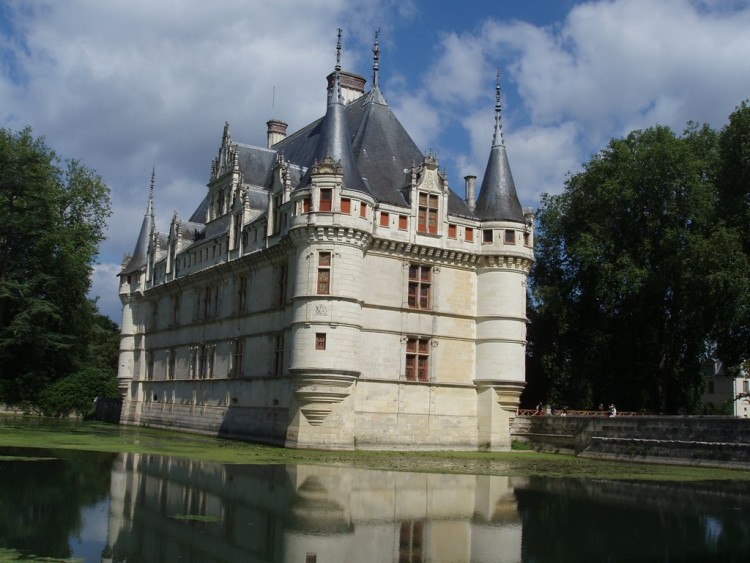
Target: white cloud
pixel 608 68
pixel 104 288
pixel 128 84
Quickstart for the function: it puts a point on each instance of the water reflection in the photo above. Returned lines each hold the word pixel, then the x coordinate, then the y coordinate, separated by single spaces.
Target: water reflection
pixel 306 514
pixel 157 508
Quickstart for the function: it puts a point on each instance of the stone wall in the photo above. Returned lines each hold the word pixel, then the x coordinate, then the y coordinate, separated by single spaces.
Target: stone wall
pixel 708 441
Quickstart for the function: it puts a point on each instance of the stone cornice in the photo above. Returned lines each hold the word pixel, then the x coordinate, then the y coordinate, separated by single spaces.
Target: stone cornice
pixel 257 259
pixel 311 234
pixel 450 256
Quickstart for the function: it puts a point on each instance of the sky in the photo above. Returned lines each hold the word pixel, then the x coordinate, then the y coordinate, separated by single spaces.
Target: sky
pixel 125 86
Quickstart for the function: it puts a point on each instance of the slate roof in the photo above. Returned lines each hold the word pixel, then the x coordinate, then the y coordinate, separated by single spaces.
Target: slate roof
pixel 497 199
pixel 140 252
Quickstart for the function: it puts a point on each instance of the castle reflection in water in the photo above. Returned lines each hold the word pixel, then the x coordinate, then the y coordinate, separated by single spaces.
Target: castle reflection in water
pixel 171 509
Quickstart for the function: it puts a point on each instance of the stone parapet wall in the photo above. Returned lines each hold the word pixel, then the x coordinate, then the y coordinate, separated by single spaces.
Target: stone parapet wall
pixel 709 441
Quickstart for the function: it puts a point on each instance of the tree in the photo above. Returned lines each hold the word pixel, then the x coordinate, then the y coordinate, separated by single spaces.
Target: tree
pixel 733 180
pixel 52 219
pixel 635 274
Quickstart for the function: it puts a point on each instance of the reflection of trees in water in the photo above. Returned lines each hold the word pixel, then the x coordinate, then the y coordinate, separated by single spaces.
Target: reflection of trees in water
pixel 42 499
pixel 624 521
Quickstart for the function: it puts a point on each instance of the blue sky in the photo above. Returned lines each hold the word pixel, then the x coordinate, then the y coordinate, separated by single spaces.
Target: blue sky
pixel 124 85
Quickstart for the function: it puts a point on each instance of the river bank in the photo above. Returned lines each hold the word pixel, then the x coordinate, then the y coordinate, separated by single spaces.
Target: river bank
pixel 42 433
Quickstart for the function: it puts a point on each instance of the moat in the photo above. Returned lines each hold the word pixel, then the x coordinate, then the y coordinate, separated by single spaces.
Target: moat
pixel 139 507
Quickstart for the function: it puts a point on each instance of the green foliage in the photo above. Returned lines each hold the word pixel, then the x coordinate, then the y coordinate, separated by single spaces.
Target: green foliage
pixel 52 219
pixel 636 272
pixel 75 393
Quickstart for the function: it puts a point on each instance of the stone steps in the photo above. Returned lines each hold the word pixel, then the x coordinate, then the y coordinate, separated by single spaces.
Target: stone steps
pixel 709 441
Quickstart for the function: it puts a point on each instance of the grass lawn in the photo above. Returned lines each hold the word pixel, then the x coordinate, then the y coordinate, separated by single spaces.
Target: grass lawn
pixel 35 432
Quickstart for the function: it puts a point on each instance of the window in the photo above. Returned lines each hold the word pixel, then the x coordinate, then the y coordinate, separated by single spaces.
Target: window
pixel 417 359
pixel 149 366
pixel 324 273
pixel 306 205
pixel 487 236
pixel 527 239
pixel 237 230
pixel 311 558
pixel 210 356
pixel 201 362
pixel 427 215
pixel 215 301
pixel 193 362
pixel 326 199
pixel 510 236
pixel 469 234
pixel 238 349
pixel 207 294
pixel 241 294
pixel 171 363
pixel 420 278
pixel 175 310
pixel 277 201
pixel 346 205
pixel 410 542
pixel 385 218
pixel 281 285
pixel 278 362
pixel 363 209
pixel 320 340
pixel 451 231
pixel 403 222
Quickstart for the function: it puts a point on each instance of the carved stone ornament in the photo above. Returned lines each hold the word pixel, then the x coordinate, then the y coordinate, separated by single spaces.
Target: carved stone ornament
pixel 508 392
pixel 318 393
pixel 327 166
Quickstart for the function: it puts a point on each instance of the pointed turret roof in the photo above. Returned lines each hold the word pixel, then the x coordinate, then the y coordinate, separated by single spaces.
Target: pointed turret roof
pixel 140 253
pixel 497 199
pixel 334 140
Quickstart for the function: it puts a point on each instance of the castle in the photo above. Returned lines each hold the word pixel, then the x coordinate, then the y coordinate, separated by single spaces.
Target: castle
pixel 331 291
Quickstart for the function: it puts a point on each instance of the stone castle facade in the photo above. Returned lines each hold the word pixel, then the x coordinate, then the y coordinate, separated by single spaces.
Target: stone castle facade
pixel 331 291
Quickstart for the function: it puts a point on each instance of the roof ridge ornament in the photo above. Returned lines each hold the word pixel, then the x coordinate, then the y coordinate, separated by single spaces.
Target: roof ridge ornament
pixel 375 61
pixel 497 138
pixel 151 191
pixel 337 68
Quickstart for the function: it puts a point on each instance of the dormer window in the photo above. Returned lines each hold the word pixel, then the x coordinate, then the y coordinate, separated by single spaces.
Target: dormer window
pixel 427 214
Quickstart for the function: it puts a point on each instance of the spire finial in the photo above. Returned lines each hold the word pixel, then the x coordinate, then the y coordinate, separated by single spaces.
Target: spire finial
pixel 375 60
pixel 150 210
pixel 338 51
pixel 497 138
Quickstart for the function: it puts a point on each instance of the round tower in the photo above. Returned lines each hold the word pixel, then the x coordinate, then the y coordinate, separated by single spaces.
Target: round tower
pixel 506 257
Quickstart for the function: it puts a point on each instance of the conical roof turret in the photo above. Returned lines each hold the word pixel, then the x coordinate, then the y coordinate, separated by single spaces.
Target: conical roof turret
pixel 140 253
pixel 497 199
pixel 335 140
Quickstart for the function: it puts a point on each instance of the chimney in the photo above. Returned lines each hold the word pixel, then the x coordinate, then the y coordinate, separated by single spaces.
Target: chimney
pixel 276 131
pixel 352 85
pixel 470 199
